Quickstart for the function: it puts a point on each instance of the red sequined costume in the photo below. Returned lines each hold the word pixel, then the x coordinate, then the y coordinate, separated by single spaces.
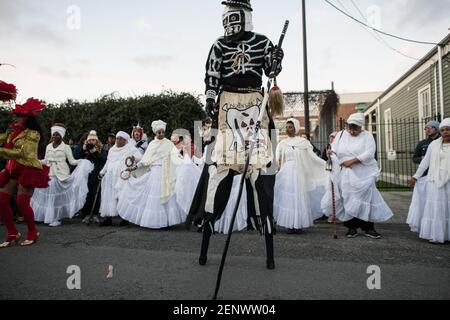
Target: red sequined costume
pixel 20 147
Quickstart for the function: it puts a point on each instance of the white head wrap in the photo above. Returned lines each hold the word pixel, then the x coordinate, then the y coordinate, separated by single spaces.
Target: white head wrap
pixel 158 125
pixel 60 130
pixel 248 17
pixel 296 124
pixel 357 119
pixel 445 123
pixel 124 135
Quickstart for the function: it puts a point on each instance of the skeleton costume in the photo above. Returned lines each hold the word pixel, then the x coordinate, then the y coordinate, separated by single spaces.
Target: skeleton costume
pixel 234 70
pixel 149 200
pixel 67 193
pixel 112 184
pixel 300 183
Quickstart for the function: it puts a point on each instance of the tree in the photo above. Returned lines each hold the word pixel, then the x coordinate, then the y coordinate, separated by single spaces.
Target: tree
pixel 111 113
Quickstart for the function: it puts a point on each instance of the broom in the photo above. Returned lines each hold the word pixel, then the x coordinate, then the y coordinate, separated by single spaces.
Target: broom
pixel 276 100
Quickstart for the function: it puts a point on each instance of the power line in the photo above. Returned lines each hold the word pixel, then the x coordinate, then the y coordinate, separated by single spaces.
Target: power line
pixel 376 30
pixel 378 37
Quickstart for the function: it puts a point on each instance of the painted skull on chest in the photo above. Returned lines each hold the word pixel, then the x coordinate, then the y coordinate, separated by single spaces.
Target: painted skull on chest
pixel 243 122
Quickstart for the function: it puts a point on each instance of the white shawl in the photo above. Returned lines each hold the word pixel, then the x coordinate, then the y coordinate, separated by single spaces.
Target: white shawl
pixel 312 169
pixel 164 149
pixel 437 159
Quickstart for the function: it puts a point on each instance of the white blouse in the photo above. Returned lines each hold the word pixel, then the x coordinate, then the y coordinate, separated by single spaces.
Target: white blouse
pixel 56 159
pixel 437 160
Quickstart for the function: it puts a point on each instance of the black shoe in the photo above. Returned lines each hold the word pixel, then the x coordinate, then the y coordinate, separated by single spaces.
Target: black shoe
pixel 202 260
pixel 123 223
pixel 373 234
pixel 290 231
pixel 106 223
pixel 352 233
pixel 298 231
pixel 270 264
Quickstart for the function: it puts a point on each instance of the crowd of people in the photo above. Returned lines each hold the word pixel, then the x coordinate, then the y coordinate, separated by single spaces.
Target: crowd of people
pixel 152 184
pixel 158 183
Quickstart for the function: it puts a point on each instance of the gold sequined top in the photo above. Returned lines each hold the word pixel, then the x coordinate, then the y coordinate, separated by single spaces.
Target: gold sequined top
pixel 25 148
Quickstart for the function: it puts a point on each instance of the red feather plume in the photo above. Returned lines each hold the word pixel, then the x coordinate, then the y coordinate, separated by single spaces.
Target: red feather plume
pixel 7 91
pixel 29 108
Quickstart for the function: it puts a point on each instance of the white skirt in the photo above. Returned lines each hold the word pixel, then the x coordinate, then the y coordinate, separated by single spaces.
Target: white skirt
pixel 294 208
pixel 62 199
pixel 188 175
pixel 140 202
pixel 110 190
pixel 417 206
pixel 223 224
pixel 356 196
pixel 435 225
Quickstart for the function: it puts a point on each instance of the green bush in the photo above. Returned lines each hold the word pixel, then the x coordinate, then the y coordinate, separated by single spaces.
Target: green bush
pixel 111 113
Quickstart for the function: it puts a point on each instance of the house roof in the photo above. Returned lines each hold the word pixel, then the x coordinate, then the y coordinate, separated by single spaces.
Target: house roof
pixel 422 61
pixel 358 97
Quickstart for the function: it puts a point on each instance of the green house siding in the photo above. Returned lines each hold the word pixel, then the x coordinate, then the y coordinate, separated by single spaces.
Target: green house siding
pixel 446 76
pixel 405 129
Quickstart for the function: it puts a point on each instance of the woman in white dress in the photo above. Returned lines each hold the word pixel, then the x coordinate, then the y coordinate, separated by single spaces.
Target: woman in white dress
pixel 435 222
pixel 355 172
pixel 188 175
pixel 66 194
pixel 148 200
pixel 300 183
pixel 112 183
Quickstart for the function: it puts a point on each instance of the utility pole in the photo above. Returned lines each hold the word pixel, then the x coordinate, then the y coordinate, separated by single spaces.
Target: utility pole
pixel 305 71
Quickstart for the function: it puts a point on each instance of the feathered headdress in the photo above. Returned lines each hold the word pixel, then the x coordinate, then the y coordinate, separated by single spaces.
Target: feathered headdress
pixel 7 91
pixel 30 108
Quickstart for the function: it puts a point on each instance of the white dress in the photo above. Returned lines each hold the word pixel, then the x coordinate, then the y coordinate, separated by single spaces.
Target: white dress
pixel 67 193
pixel 223 224
pixel 112 183
pixel 417 207
pixel 141 199
pixel 188 176
pixel 299 186
pixel 355 188
pixel 435 221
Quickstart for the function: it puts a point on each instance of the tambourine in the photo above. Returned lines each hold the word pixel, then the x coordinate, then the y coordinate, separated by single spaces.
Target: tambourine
pixel 130 167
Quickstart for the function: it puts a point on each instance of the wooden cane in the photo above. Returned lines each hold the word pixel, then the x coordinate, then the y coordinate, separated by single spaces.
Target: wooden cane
pixel 333 198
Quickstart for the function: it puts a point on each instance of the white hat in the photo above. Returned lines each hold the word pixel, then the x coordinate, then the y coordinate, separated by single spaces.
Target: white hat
pixel 158 125
pixel 296 124
pixel 445 123
pixel 124 135
pixel 357 119
pixel 92 135
pixel 60 130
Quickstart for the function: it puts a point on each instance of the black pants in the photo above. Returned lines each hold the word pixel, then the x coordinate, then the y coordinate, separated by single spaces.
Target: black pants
pixel 357 223
pixel 207 232
pixel 93 184
pixel 264 186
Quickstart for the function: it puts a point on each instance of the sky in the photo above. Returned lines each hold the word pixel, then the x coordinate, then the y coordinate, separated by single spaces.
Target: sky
pixel 81 49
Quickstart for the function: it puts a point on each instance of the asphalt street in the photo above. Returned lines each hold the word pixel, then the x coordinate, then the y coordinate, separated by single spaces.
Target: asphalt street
pixel 162 265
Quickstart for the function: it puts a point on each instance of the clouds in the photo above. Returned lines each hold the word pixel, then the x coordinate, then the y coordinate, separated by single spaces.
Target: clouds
pixel 15 22
pixel 420 13
pixel 140 46
pixel 149 60
pixel 141 24
pixel 62 73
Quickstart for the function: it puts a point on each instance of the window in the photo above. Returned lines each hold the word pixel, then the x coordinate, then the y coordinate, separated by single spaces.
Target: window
pixel 425 110
pixel 389 144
